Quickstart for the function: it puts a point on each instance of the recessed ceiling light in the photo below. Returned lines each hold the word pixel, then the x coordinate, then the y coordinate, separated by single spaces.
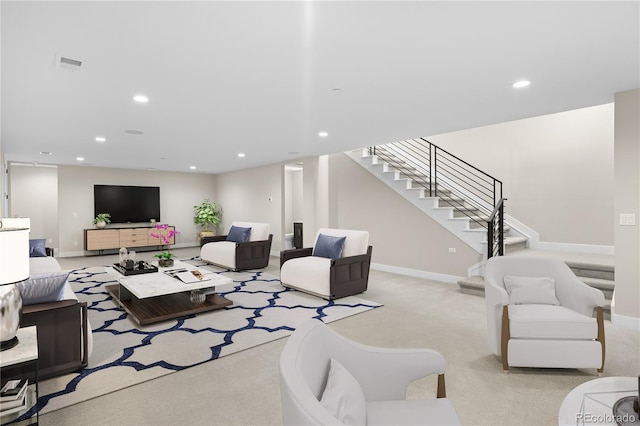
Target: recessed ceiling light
pixel 192 167
pixel 520 84
pixel 293 153
pixel 134 132
pixel 241 155
pixel 100 139
pixel 45 152
pixel 323 134
pixel 79 158
pixel 141 98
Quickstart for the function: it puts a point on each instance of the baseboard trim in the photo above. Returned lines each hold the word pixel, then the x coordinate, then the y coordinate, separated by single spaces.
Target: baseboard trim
pixel 623 321
pixel 416 273
pixel 477 269
pixel 524 230
pixel 574 248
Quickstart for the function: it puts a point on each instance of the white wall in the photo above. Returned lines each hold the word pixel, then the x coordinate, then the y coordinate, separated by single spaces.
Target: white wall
pixel 627 196
pixel 557 171
pixel 3 190
pixel 297 179
pixel 179 192
pixel 34 193
pixel 315 197
pixel 339 193
pixel 252 195
pixel 292 201
pixel 402 236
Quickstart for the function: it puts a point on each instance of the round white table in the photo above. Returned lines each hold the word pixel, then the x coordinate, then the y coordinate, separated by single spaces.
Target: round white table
pixel 592 402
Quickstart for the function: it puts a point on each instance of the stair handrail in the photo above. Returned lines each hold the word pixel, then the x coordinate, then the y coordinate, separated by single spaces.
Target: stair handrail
pixel 495 224
pixel 438 167
pixel 434 167
pixel 437 148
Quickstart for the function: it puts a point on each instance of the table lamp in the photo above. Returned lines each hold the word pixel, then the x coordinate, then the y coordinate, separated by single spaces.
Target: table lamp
pixel 14 268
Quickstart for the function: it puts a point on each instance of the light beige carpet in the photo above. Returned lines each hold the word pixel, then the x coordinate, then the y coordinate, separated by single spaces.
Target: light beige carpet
pixel 125 354
pixel 243 389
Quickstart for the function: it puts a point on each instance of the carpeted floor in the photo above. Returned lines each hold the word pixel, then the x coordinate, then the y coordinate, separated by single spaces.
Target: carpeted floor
pixel 243 389
pixel 125 354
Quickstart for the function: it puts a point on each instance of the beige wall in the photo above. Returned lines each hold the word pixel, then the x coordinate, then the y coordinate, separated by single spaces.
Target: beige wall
pixel 627 201
pixel 34 192
pixel 557 171
pixel 401 235
pixel 292 200
pixel 179 192
pixel 3 191
pixel 245 196
pixel 339 193
pixel 315 197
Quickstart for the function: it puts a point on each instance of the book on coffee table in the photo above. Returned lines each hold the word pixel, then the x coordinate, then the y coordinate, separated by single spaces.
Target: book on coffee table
pixel 13 389
pixel 12 395
pixel 192 276
pixel 14 405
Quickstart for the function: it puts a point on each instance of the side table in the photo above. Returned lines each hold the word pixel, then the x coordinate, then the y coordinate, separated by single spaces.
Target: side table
pixel 592 402
pixel 21 362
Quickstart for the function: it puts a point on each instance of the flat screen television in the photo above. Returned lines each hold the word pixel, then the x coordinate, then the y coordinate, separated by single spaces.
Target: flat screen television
pixel 127 204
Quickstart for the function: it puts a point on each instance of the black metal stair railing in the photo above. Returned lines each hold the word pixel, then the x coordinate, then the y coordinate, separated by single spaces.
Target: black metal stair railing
pixel 495 231
pixel 469 190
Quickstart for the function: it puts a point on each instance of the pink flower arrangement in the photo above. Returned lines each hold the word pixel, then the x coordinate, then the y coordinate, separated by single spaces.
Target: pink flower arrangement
pixel 165 235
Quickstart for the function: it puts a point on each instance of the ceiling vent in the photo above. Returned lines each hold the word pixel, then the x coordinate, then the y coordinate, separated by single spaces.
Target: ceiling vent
pixel 68 63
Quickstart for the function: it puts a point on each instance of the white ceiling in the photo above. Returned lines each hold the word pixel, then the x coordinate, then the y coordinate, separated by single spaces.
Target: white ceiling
pixel 261 77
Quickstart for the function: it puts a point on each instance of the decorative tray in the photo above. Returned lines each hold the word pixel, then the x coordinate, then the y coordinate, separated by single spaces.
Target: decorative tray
pixel 146 268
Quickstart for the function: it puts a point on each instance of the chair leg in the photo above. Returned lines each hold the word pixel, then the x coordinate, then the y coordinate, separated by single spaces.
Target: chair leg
pixel 600 320
pixel 441 392
pixel 506 335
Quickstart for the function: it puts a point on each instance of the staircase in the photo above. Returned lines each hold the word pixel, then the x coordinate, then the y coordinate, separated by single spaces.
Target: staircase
pixel 437 182
pixel 452 192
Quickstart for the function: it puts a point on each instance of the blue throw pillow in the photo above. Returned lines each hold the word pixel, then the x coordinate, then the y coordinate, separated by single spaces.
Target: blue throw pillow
pixel 37 248
pixel 43 288
pixel 328 246
pixel 238 234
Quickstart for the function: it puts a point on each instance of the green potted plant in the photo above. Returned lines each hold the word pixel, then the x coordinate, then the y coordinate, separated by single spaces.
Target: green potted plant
pixel 205 215
pixel 101 220
pixel 165 259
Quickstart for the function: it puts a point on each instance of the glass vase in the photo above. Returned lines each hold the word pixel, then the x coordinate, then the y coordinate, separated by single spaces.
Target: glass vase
pixel 197 296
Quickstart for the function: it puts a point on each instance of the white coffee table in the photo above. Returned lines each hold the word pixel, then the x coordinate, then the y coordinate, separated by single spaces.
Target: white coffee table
pixel 154 297
pixel 592 402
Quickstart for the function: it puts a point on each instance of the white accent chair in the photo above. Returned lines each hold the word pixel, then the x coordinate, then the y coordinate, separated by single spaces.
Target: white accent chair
pixel 329 278
pixel 527 330
pixel 382 375
pixel 252 254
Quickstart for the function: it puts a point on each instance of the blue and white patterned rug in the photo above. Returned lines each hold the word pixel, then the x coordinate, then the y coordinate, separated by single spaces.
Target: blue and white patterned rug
pixel 125 354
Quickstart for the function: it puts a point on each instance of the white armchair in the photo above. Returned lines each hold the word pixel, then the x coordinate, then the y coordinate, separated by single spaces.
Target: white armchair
pixel 344 273
pixel 381 379
pixel 539 314
pixel 251 253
